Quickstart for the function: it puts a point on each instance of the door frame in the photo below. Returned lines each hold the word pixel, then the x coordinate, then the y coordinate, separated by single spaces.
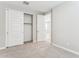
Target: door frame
pixel 6 25
pixel 51 26
pixel 31 27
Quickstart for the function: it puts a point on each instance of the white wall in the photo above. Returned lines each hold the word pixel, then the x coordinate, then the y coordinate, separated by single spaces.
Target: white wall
pixel 66 25
pixel 2 28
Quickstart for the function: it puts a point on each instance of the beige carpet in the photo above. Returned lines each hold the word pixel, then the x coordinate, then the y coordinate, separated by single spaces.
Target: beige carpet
pixel 35 50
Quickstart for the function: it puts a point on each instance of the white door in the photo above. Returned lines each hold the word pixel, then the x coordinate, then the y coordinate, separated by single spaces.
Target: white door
pixel 14 27
pixel 40 28
pixel 27 27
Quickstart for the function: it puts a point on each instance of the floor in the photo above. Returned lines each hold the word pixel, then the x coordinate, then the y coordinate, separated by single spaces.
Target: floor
pixel 35 50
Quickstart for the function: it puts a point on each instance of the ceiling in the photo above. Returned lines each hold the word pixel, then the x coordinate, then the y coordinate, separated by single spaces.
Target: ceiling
pixel 44 6
pixel 40 6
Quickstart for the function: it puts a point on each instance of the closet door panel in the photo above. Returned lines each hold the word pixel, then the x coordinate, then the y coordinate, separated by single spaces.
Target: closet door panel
pixel 14 27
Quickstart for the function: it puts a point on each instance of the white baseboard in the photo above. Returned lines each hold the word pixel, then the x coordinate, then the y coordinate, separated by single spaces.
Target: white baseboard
pixel 2 48
pixel 69 50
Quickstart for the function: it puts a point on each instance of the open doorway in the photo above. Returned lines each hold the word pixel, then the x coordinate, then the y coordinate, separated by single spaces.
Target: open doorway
pixel 28 28
pixel 44 27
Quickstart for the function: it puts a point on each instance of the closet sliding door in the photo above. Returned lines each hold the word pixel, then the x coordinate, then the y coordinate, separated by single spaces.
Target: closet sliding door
pixel 14 22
